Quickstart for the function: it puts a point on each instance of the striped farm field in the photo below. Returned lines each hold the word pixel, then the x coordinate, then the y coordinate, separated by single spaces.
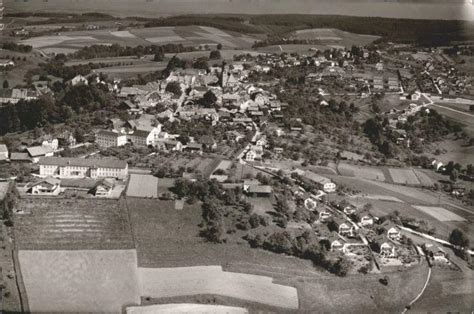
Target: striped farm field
pixel 440 213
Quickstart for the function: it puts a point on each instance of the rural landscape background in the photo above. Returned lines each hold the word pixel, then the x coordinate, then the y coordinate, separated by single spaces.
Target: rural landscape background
pixel 237 156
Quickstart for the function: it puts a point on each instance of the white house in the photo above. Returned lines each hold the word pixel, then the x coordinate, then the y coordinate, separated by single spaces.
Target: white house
pixel 78 79
pixel 387 250
pixel 393 234
pixel 345 229
pixel 336 245
pixel 366 221
pixel 46 186
pixel 251 155
pixel 350 209
pixel 83 168
pixel 3 152
pixel 324 216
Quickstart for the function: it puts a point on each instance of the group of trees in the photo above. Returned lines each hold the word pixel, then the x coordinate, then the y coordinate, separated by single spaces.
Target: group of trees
pixel 116 50
pixel 80 99
pixel 304 246
pixel 16 47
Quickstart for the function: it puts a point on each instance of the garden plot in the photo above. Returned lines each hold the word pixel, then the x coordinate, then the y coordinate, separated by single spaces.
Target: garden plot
pixel 404 176
pixel 184 281
pixel 142 185
pixel 54 224
pixel 440 213
pixel 80 281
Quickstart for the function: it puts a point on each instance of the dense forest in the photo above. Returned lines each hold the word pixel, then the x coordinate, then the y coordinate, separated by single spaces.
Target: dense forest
pixel 429 32
pixel 228 23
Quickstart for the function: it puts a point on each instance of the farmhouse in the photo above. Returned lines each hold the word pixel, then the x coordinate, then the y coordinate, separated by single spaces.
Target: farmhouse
pixel 102 188
pixel 336 245
pixel 36 152
pixel 83 168
pixel 322 183
pixel 46 186
pixel 260 190
pixel 3 152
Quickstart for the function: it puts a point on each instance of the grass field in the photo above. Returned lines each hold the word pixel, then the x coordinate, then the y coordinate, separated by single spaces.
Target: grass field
pixel 404 176
pixel 54 224
pixel 80 281
pixel 369 173
pixel 181 281
pixel 142 185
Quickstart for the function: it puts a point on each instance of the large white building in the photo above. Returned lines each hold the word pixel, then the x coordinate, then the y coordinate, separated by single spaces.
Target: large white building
pixel 83 168
pixel 106 138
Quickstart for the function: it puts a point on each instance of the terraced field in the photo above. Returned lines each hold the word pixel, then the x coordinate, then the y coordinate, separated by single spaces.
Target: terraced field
pixel 53 224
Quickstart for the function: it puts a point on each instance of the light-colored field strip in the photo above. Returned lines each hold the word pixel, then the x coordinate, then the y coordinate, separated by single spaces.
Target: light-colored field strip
pixel 142 185
pixel 123 34
pixel 43 41
pixel 80 281
pixel 182 281
pixel 165 39
pixel 182 308
pixel 440 213
pixel 379 197
pixel 218 39
pixel 215 31
pixel 404 176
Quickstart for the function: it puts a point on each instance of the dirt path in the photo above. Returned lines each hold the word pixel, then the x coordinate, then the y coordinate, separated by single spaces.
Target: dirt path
pixel 419 294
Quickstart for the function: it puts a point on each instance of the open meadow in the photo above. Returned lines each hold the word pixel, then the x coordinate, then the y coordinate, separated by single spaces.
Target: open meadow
pixel 80 281
pixel 334 36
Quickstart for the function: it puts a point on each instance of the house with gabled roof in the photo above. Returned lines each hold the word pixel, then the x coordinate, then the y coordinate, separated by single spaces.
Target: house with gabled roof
pixel 47 186
pixel 393 234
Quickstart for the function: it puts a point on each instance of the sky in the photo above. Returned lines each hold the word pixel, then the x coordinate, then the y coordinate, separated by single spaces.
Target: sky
pixel 419 9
